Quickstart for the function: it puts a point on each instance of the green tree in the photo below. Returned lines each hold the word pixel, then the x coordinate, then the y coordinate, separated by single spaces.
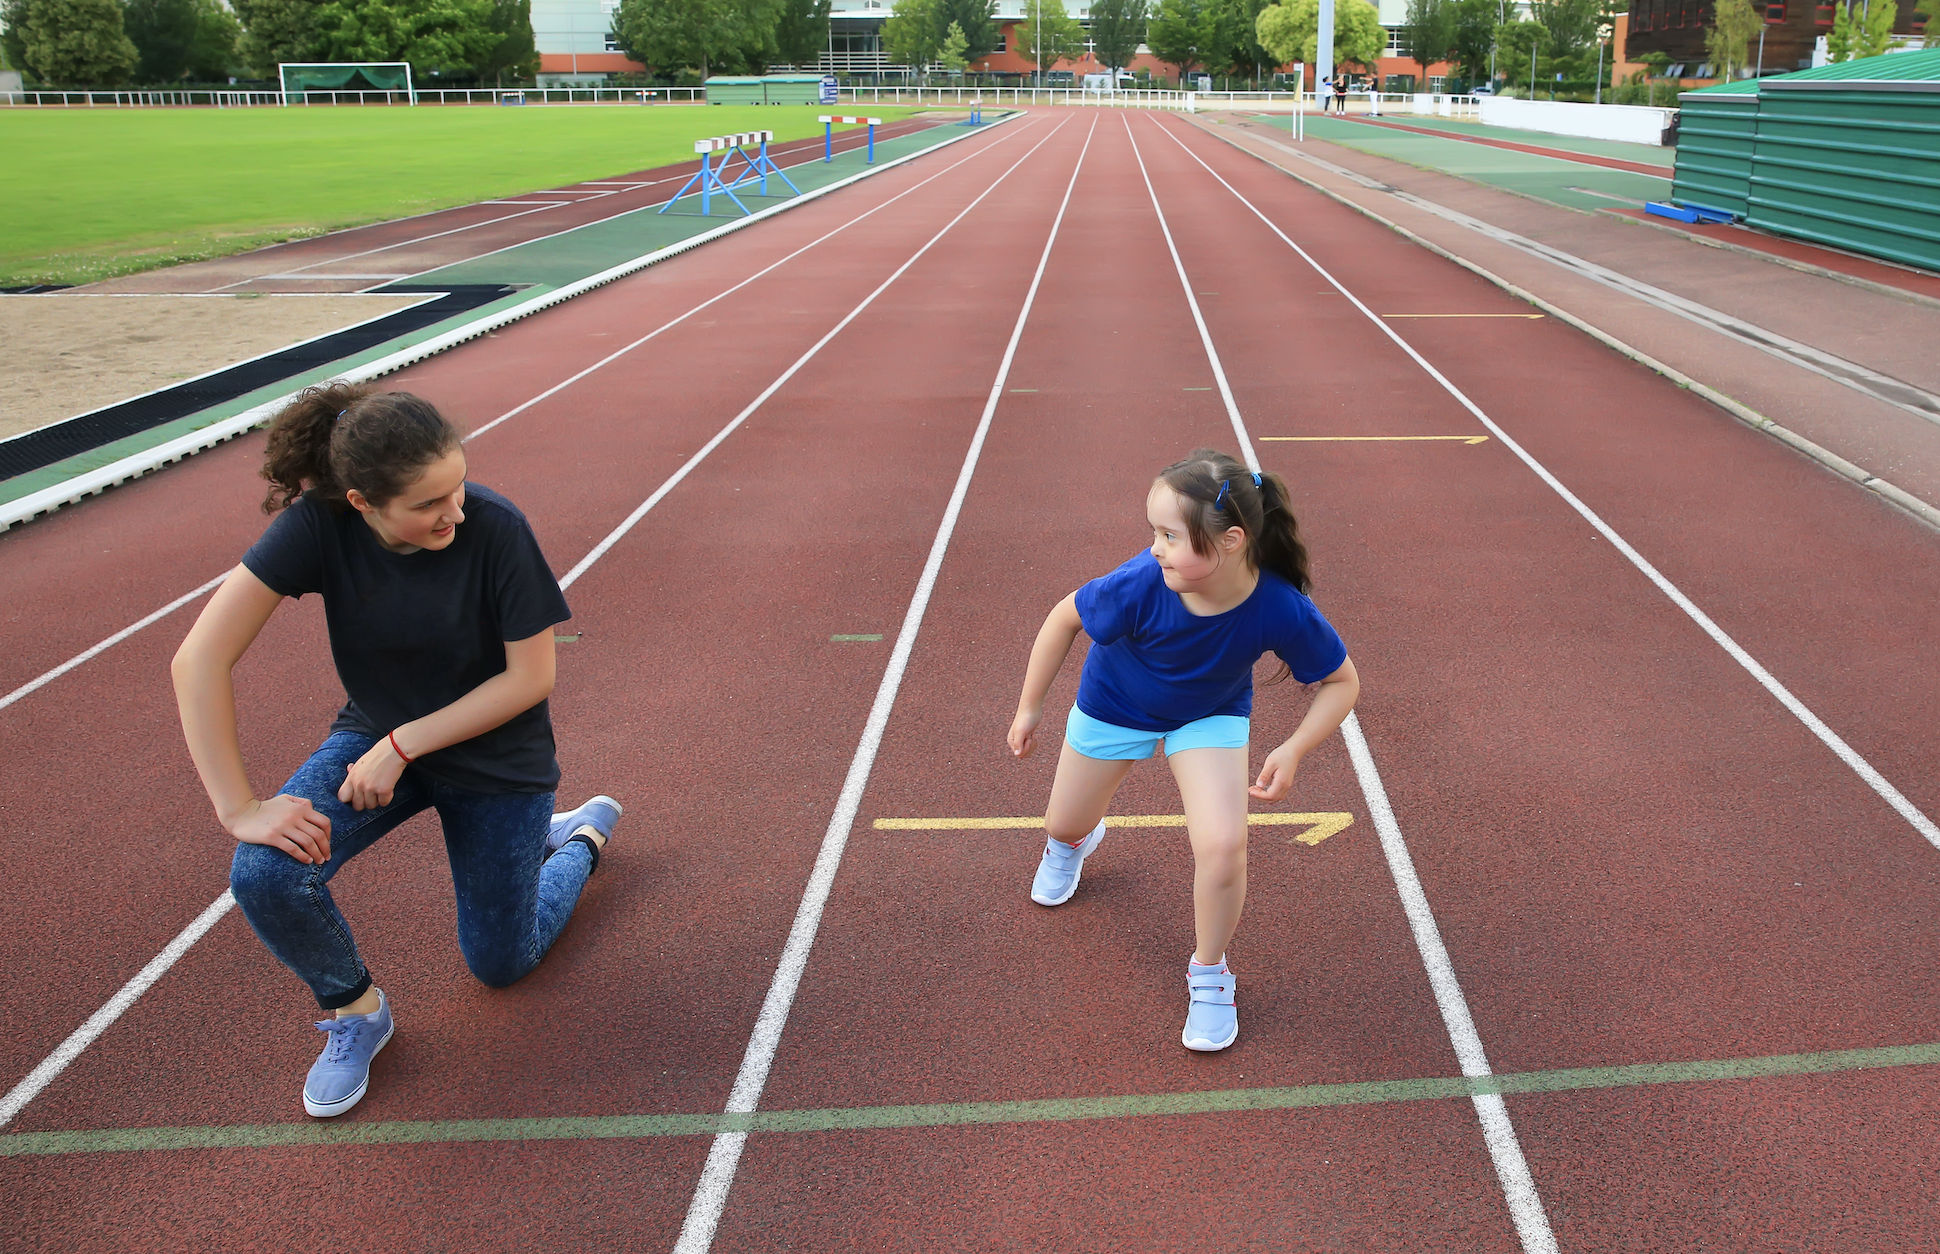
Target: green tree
pixel 675 35
pixel 1236 43
pixel 1117 29
pixel 435 36
pixel 1475 25
pixel 276 30
pixel 978 18
pixel 1569 26
pixel 1734 26
pixel 1429 31
pixel 1048 35
pixel 1876 29
pixel 802 31
pixel 1932 37
pixel 1291 31
pixel 516 54
pixel 1184 33
pixel 212 55
pixel 162 31
pixel 71 43
pixel 912 35
pixel 950 55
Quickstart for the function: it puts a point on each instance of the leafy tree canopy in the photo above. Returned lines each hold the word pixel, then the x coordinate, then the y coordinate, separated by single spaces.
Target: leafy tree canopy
pixel 1728 42
pixel 802 31
pixel 1117 29
pixel 1291 31
pixel 70 43
pixel 1048 34
pixel 1184 33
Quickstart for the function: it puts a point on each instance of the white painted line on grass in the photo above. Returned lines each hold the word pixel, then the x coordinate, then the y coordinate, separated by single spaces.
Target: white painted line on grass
pixel 1817 726
pixel 1498 1133
pixel 138 464
pixel 98 1022
pixel 184 599
pixel 724 1156
pixel 70 1049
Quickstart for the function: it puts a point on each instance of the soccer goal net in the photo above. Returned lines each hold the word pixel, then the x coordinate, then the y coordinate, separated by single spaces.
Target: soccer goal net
pixel 330 79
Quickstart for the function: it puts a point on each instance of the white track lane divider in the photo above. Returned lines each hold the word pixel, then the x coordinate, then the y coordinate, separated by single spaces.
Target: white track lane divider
pixel 724 1155
pixel 1917 819
pixel 1498 1133
pixel 42 1075
pixel 88 654
pixel 147 461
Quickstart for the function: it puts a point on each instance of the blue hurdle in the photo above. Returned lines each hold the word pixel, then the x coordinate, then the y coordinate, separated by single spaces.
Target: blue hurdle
pixel 828 122
pixel 710 179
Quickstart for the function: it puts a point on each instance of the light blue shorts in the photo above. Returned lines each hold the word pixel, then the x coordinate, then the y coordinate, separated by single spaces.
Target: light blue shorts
pixel 1097 739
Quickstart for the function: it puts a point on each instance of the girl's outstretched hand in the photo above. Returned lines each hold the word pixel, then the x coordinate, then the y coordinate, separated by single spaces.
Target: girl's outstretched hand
pixel 1276 774
pixel 372 778
pixel 1023 732
pixel 288 823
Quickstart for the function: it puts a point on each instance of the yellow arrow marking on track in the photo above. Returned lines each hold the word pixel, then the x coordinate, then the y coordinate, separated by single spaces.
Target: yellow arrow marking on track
pixel 1466 439
pixel 1320 825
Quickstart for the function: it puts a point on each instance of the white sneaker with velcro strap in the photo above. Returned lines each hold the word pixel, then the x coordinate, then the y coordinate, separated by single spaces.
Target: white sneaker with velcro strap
pixel 1212 1018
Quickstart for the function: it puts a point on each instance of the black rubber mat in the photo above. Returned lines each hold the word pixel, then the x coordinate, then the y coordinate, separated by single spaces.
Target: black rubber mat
pixel 61 440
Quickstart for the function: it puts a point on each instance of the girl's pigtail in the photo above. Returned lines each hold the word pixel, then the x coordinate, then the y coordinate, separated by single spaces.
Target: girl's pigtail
pixel 298 453
pixel 1277 546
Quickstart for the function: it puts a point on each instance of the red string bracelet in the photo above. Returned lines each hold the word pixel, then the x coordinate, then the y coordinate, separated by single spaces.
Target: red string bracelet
pixel 398 751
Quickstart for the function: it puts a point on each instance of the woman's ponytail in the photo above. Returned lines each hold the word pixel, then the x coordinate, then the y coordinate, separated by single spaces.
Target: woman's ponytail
pixel 339 436
pixel 298 455
pixel 1218 492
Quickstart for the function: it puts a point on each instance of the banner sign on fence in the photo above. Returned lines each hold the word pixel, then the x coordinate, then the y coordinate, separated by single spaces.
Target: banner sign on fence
pixel 828 90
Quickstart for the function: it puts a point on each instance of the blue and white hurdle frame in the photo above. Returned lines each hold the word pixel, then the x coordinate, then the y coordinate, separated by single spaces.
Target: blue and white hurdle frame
pixel 711 178
pixel 828 122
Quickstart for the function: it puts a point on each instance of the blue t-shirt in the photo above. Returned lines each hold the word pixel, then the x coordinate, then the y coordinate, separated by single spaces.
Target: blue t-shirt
pixel 1154 666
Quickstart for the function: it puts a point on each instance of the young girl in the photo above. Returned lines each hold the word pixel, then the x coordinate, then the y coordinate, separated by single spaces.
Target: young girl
pixel 1175 633
pixel 440 609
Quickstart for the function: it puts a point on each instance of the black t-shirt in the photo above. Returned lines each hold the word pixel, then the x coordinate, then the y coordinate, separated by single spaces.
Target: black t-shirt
pixel 413 632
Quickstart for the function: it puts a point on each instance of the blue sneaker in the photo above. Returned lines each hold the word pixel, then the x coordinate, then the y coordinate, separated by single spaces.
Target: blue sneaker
pixel 1212 1020
pixel 1057 874
pixel 600 814
pixel 341 1074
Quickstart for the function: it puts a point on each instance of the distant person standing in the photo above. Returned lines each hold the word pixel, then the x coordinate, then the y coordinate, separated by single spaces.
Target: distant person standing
pixel 1340 93
pixel 1374 95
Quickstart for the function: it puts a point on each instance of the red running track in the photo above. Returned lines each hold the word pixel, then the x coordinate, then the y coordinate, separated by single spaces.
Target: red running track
pixel 1633 853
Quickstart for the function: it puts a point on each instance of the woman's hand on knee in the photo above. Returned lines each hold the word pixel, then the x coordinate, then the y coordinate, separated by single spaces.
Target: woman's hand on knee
pixel 372 779
pixel 288 823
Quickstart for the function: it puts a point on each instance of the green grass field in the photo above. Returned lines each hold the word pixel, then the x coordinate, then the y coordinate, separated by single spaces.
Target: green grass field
pixel 94 193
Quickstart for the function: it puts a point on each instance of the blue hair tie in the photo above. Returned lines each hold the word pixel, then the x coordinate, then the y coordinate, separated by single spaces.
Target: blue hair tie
pixel 1218 500
pixel 341 413
pixel 1256 480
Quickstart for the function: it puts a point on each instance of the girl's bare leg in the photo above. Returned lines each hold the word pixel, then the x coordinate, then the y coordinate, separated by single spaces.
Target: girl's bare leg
pixel 1082 792
pixel 1212 784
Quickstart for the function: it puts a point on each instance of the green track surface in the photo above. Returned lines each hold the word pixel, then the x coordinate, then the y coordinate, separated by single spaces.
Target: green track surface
pixel 101 192
pixel 1646 153
pixel 1557 180
pixel 535 268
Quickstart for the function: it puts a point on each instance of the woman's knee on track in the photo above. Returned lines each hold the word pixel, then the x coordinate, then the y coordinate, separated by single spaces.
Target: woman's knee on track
pixel 495 966
pixel 266 880
pixel 1220 851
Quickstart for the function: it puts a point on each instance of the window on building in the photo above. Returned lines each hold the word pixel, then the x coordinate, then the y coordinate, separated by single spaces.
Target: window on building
pixel 1774 14
pixel 1640 15
pixel 1003 43
pixel 1824 15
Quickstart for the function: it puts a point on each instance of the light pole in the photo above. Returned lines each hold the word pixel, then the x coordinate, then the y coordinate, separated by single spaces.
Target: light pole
pixel 1324 55
pixel 1599 71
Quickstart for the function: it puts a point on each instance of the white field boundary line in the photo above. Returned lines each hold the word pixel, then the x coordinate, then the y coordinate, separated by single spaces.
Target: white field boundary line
pixel 179 602
pixel 724 1155
pixel 95 481
pixel 1766 680
pixel 50 1067
pixel 1498 1133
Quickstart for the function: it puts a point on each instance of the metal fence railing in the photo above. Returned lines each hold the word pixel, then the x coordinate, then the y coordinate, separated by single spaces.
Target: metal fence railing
pixel 999 97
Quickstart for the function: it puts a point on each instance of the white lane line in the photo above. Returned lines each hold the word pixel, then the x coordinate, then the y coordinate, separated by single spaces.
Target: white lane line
pixel 184 599
pixel 1498 1133
pixel 724 1156
pixel 1831 739
pixel 99 1022
pixel 86 654
pixel 613 537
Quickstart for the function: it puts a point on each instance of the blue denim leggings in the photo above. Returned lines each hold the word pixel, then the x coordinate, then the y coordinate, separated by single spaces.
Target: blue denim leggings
pixel 513 900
